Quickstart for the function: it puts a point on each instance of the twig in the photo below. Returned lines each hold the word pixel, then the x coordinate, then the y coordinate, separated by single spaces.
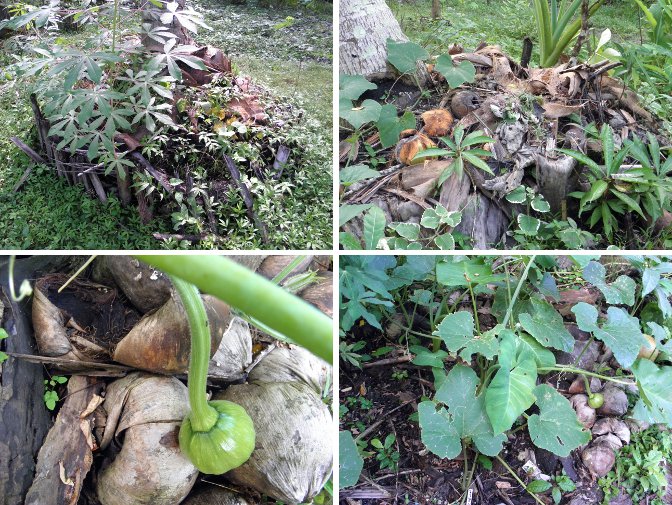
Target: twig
pixel 371 428
pixel 604 69
pixel 161 178
pixel 388 361
pixel 31 154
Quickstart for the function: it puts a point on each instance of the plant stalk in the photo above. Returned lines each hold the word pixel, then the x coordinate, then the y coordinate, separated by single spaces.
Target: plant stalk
pixel 526 272
pixel 515 476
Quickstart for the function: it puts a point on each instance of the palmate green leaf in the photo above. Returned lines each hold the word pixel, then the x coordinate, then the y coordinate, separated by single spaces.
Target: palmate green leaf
pixel 350 463
pixel 620 292
pixel 556 428
pixel 509 394
pixel 583 159
pixel 374 227
pixel 390 126
pixel 367 112
pixel 621 332
pixel 655 384
pixel 349 242
pixel 442 429
pixel 457 332
pixel 432 152
pixel 455 75
pixel 404 56
pixel 353 86
pixel 595 192
pixel 545 324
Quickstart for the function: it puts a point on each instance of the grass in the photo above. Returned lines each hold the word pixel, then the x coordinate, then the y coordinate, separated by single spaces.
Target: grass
pixel 293 61
pixel 501 22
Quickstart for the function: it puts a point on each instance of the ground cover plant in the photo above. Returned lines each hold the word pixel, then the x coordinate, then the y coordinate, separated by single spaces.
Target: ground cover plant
pixel 192 118
pixel 487 379
pixel 535 88
pixel 156 380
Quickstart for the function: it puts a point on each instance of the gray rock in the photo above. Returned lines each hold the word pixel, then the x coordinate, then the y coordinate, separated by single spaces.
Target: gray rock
pixel 615 402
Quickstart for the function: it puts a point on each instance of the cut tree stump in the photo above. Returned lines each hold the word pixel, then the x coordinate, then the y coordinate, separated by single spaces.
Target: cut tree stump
pixel 483 221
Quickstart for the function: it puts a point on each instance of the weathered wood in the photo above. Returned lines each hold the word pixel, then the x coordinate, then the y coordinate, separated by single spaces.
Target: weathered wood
pixel 179 236
pixel 483 221
pixel 60 167
pixel 280 161
pixel 321 293
pixel 144 209
pixel 31 154
pixel 247 197
pixel 98 187
pixel 553 176
pixel 42 128
pixel 160 177
pixel 67 454
pixel 124 187
pixel 24 420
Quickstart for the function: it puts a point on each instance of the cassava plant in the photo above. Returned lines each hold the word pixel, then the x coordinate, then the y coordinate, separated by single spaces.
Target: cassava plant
pixel 557 25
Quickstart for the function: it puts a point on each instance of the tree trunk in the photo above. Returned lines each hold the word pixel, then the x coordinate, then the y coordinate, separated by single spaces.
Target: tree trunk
pixel 436 9
pixel 365 26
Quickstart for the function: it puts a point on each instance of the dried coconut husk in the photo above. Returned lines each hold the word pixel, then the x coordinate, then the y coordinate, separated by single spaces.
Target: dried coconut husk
pixel 292 364
pixel 293 457
pixel 320 294
pixel 234 353
pixel 145 287
pixel 150 469
pixel 213 495
pixel 161 341
pixel 82 323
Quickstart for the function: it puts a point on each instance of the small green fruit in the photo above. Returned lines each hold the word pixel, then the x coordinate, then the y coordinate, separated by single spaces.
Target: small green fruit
pixel 596 400
pixel 227 445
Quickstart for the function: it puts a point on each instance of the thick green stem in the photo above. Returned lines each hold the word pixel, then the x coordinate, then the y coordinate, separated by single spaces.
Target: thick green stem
pixel 517 291
pixel 255 296
pixel 204 417
pixel 115 16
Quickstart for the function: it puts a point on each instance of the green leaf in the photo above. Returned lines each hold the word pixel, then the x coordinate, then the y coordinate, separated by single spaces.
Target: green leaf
pixel 528 225
pixel 409 231
pixel 556 428
pixel 655 384
pixel 621 332
pixel 3 334
pixel 621 292
pixel 539 204
pixel 476 161
pixel 356 173
pixel 455 75
pixel 348 212
pixel 353 86
pixel 425 357
pixel 433 218
pixel 367 112
pixel 630 202
pixel 510 391
pixel 445 242
pixel 538 486
pixel 390 126
pixel 350 463
pixel 3 357
pixel 456 273
pixel 518 195
pixel 442 429
pixel 457 332
pixel 546 326
pixel 583 159
pixel 595 192
pixel 542 356
pixel 404 56
pixel 431 153
pixel 374 227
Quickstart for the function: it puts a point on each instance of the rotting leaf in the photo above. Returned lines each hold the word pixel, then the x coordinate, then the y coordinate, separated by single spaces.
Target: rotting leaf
pixel 442 429
pixel 556 428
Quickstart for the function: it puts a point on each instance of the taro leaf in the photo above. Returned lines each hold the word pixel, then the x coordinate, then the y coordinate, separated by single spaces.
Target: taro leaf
pixel 374 227
pixel 455 75
pixel 409 231
pixel 356 173
pixel 350 463
pixel 542 356
pixel 556 428
pixel 655 384
pixel 442 429
pixel 353 86
pixel 348 212
pixel 404 56
pixel 510 391
pixel 367 112
pixel 390 126
pixel 457 332
pixel 620 332
pixel 528 225
pixel 425 357
pixel 621 292
pixel 456 273
pixel 546 326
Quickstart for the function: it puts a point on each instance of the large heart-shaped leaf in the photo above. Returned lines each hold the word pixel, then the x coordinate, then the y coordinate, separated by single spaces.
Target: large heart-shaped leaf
pixel 442 429
pixel 457 332
pixel 556 428
pixel 455 75
pixel 546 326
pixel 367 112
pixel 350 463
pixel 464 272
pixel 620 292
pixel 353 86
pixel 510 392
pixel 404 56
pixel 390 126
pixel 655 384
pixel 620 332
pixel 542 356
